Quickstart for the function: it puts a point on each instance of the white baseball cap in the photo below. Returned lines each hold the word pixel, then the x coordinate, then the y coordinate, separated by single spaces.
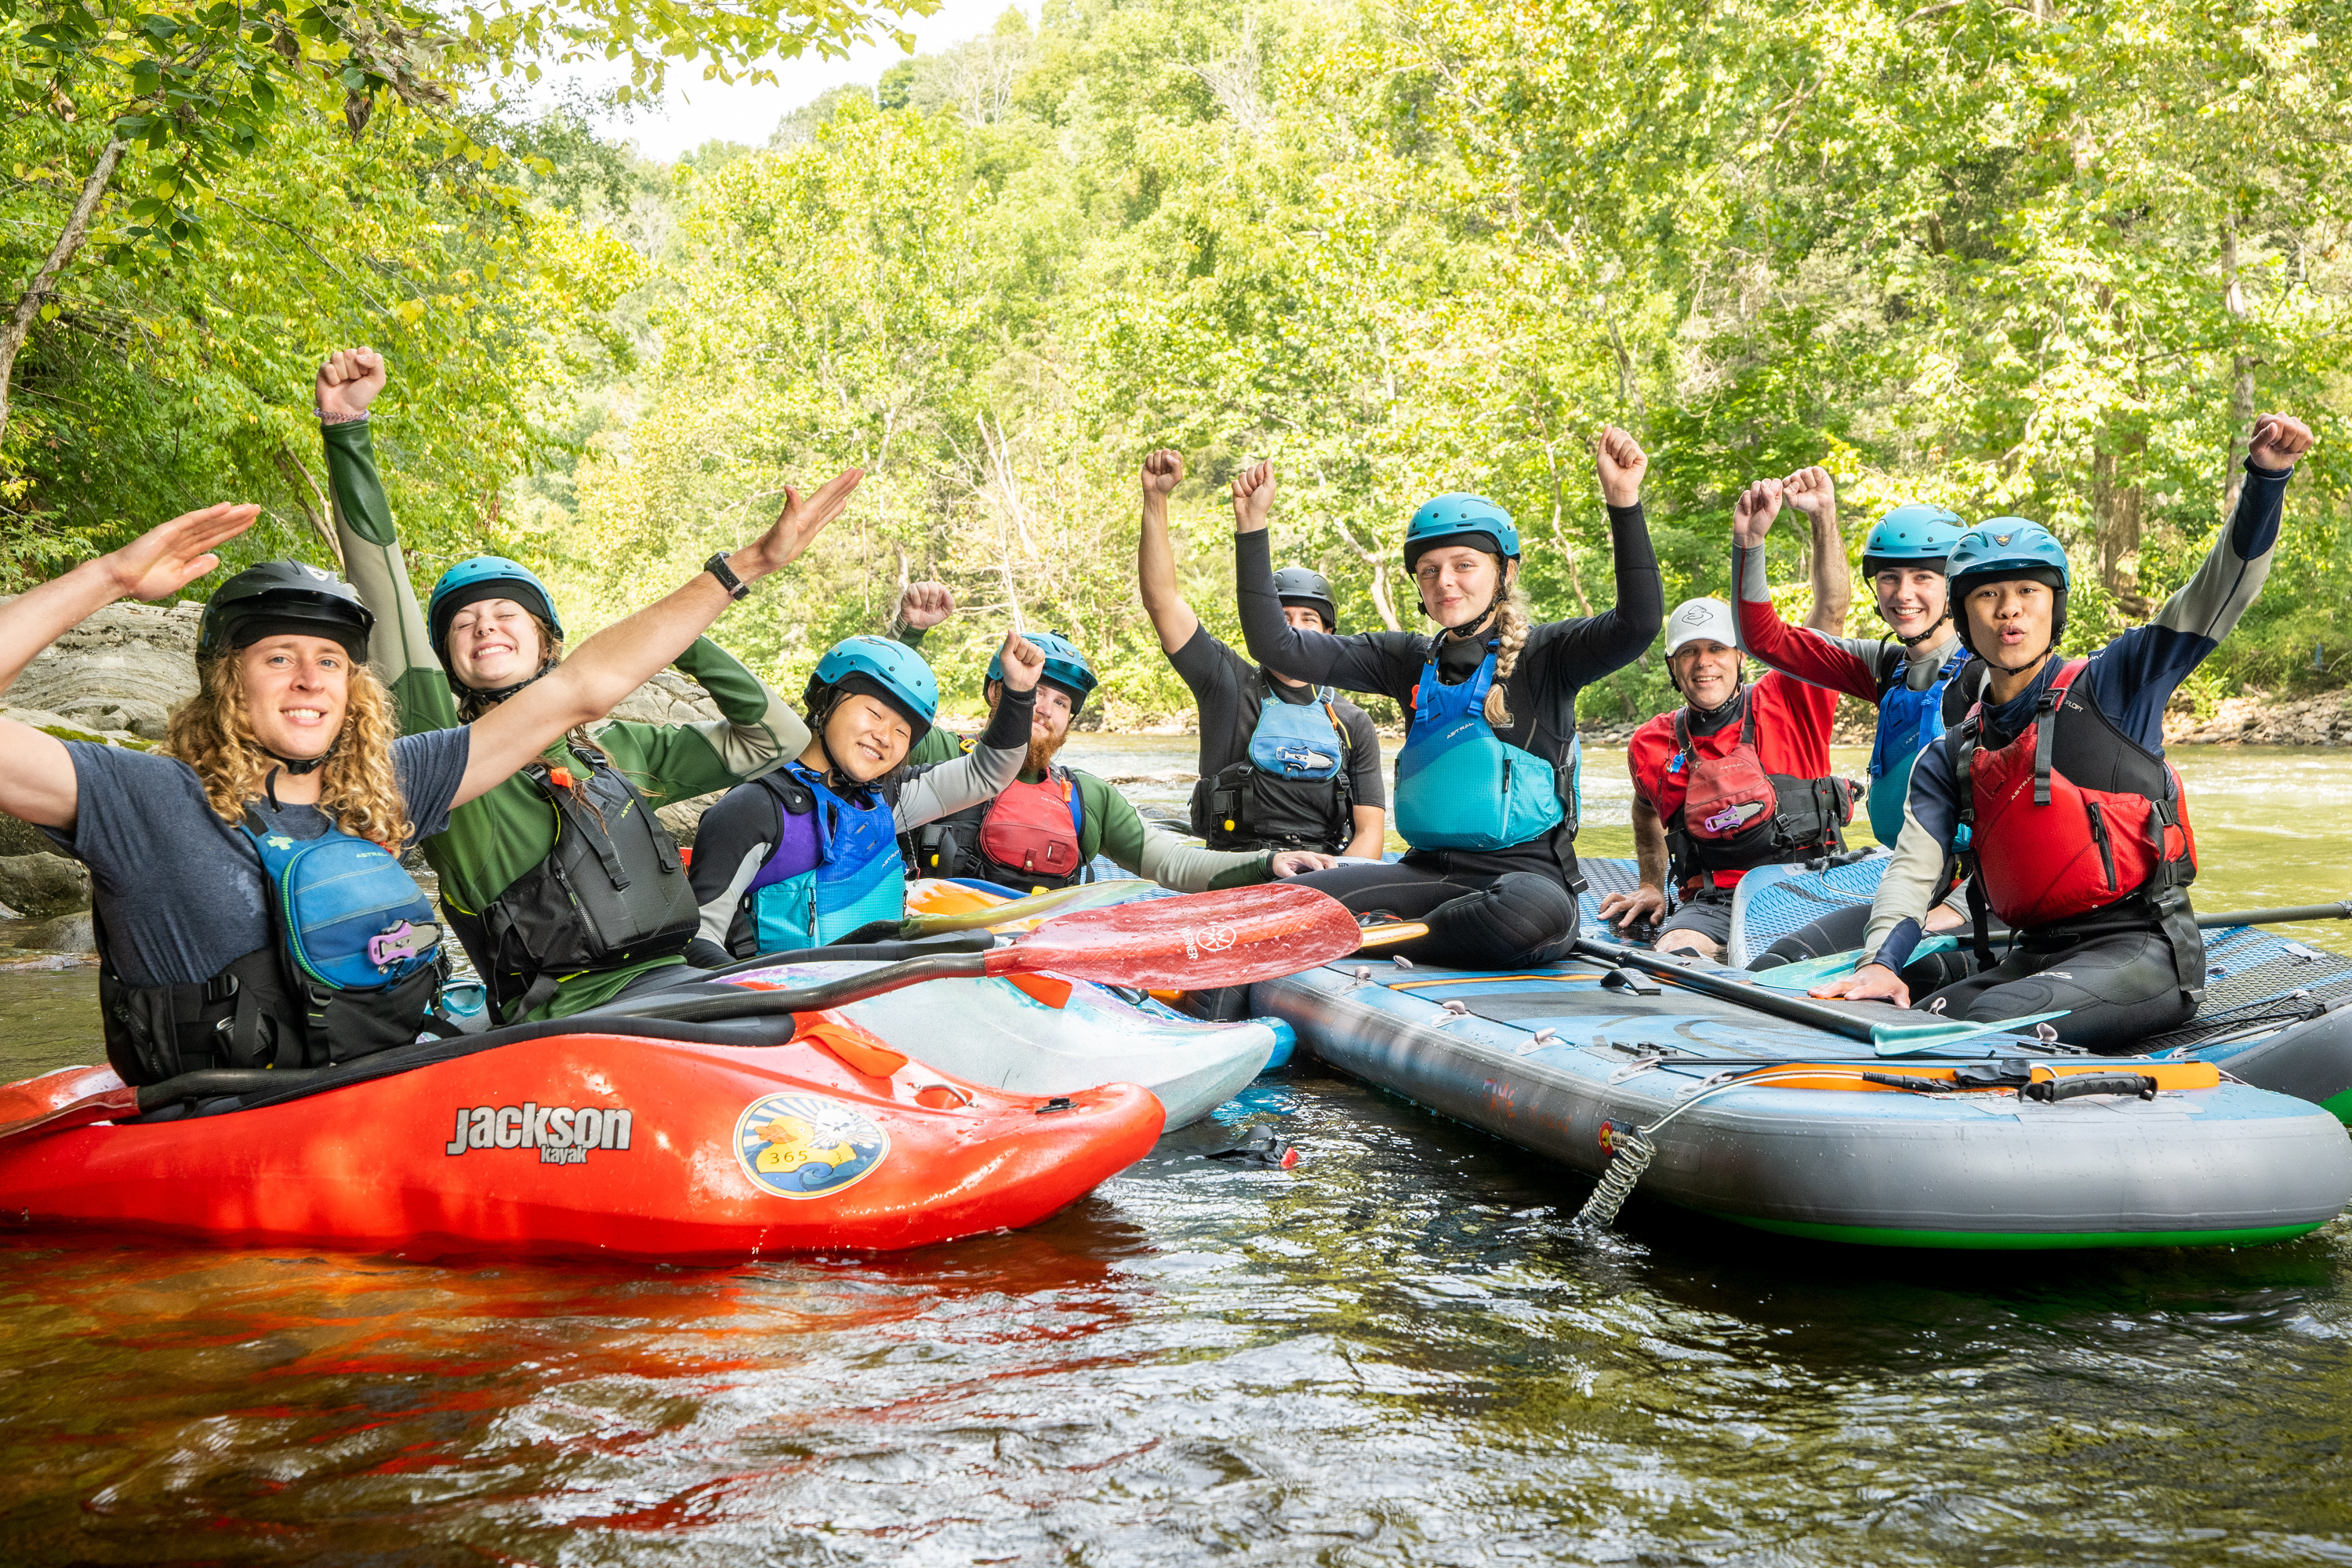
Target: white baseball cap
pixel 1701 620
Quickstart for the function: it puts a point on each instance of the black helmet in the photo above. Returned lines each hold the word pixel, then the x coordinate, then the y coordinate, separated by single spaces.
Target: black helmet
pixel 284 596
pixel 1307 589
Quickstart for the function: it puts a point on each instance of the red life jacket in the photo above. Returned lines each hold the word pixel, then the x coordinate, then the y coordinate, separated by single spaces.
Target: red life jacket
pixel 2103 818
pixel 1735 816
pixel 1032 831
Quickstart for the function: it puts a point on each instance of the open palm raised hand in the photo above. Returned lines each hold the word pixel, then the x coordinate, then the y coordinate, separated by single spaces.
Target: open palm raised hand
pixel 797 524
pixel 162 561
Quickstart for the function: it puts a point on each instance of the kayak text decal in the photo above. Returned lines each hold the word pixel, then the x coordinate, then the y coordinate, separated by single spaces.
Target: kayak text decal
pixel 562 1134
pixel 807 1145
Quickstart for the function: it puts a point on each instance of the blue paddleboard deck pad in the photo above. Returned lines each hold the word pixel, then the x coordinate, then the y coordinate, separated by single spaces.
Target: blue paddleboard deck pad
pixel 1550 1060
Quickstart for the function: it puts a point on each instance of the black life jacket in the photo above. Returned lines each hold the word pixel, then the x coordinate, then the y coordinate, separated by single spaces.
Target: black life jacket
pixel 1288 790
pixel 613 891
pixel 1043 822
pixel 354 966
pixel 1735 816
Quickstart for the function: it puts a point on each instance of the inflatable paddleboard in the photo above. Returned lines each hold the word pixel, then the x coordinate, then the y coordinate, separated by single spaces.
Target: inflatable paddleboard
pixel 1560 1062
pixel 670 1141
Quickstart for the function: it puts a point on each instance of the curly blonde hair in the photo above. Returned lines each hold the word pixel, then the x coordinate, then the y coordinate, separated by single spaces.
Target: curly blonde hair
pixel 357 788
pixel 1512 623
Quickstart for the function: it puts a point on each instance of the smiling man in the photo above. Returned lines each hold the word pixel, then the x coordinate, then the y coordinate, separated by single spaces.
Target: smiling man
pixel 1740 776
pixel 564 887
pixel 2054 791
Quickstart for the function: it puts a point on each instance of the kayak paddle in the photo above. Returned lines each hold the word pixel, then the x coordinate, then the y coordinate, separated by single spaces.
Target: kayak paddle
pixel 1027 908
pixel 2342 912
pixel 1914 1032
pixel 1198 943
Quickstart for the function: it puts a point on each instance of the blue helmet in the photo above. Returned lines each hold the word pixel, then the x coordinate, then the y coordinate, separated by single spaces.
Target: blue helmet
pixel 1065 667
pixel 2001 549
pixel 486 577
pixel 889 672
pixel 1916 534
pixel 1460 519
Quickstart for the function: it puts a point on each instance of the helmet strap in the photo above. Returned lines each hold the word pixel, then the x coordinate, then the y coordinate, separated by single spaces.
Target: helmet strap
pixel 491 697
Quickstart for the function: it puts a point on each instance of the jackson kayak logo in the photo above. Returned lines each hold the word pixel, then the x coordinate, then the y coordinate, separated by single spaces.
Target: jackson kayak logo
pixel 562 1134
pixel 1199 939
pixel 805 1145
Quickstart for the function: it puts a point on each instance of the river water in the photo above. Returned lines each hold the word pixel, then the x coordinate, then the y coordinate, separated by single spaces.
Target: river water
pixel 1397 1353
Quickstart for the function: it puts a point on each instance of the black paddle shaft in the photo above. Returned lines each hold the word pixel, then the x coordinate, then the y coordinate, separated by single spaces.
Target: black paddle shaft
pixel 738 1002
pixel 2342 912
pixel 1795 1009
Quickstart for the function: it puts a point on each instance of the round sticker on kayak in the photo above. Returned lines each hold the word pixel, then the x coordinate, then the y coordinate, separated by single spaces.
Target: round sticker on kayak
pixel 806 1145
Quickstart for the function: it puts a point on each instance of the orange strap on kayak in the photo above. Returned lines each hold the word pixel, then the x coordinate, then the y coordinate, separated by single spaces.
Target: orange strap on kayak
pixel 2168 1075
pixel 848 1041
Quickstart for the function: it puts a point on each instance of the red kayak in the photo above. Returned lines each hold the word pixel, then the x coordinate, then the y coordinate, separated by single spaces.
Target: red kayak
pixel 622 1143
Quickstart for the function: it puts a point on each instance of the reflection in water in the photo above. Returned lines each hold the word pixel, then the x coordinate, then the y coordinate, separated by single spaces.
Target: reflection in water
pixel 1396 1352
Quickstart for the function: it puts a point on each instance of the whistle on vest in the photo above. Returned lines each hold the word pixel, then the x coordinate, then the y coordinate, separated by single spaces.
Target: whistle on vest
pixel 1675 764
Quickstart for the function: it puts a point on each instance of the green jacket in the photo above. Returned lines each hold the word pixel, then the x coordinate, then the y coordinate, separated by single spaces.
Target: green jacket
pixel 491 841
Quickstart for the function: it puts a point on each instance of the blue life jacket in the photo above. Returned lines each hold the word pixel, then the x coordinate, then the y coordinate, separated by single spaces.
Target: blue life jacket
pixel 1907 721
pixel 1298 740
pixel 835 866
pixel 349 917
pixel 1459 785
pixel 1289 789
pixel 353 966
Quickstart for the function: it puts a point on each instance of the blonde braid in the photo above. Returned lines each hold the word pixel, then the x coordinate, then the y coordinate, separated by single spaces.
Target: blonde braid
pixel 358 790
pixel 1513 624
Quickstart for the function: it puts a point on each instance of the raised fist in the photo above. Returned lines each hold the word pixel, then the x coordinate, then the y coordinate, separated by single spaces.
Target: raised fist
pixel 1809 490
pixel 1023 663
pixel 2279 440
pixel 1162 471
pixel 1752 514
pixel 1253 497
pixel 922 605
pixel 1620 463
pixel 348 382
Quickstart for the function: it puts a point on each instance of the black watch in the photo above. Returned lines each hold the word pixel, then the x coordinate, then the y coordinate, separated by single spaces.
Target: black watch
pixel 717 566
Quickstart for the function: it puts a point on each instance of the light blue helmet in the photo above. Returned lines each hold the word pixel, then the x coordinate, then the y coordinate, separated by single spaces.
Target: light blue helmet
pixel 2002 550
pixel 1916 534
pixel 889 672
pixel 486 577
pixel 1065 667
pixel 1460 519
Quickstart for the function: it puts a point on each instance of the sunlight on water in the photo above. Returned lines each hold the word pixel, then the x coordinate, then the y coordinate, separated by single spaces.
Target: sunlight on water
pixel 1398 1353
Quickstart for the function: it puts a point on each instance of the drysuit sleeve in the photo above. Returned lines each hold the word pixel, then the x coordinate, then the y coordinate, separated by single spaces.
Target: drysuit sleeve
pixel 2133 677
pixel 756 730
pixel 1386 662
pixel 401 647
pixel 945 788
pixel 1136 846
pixel 1907 891
pixel 733 841
pixel 1841 664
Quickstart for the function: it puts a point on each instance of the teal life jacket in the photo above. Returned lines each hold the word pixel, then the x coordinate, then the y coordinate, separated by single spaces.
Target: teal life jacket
pixel 354 967
pixel 1459 785
pixel 835 866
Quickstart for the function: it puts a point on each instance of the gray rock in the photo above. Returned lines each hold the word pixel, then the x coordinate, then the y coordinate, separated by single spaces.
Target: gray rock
pixel 66 933
pixel 119 672
pixel 683 817
pixel 18 837
pixel 668 698
pixel 43 885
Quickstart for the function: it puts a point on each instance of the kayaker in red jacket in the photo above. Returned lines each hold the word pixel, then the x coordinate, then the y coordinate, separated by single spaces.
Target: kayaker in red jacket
pixel 1740 776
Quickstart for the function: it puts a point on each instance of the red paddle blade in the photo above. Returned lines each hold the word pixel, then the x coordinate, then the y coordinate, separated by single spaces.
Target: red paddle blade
pixel 113 1105
pixel 1191 943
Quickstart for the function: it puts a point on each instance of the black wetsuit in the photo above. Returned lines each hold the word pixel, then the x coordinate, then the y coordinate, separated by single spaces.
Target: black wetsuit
pixel 1486 909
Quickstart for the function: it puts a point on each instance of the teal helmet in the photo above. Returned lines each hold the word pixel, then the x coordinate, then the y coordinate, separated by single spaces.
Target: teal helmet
pixel 485 577
pixel 280 597
pixel 1460 519
pixel 1065 667
pixel 2003 549
pixel 1916 534
pixel 890 672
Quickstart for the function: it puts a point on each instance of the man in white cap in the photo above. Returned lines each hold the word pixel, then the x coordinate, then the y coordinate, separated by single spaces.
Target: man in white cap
pixel 1739 776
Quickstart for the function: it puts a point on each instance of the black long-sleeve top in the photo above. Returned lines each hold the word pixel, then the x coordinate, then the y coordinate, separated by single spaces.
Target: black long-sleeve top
pixel 1560 659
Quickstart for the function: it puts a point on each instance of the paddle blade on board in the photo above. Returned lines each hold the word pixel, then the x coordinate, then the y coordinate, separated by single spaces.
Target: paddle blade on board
pixel 1195 943
pixel 1900 1039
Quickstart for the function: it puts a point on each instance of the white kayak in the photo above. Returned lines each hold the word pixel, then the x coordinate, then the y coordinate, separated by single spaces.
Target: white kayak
pixel 1027 1036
